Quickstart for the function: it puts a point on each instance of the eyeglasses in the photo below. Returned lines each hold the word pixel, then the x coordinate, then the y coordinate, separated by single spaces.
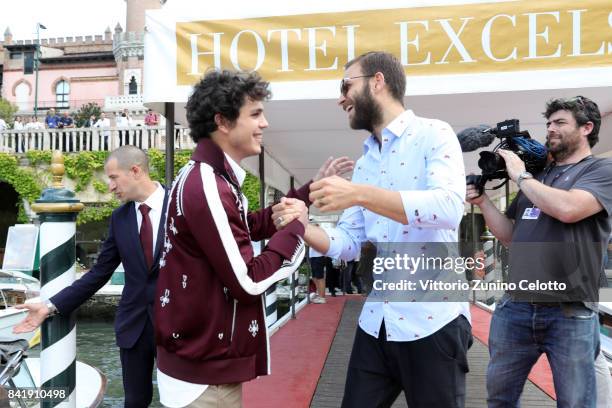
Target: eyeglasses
pixel 344 84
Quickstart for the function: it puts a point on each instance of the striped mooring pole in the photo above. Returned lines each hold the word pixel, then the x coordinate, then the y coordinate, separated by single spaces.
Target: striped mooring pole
pixel 294 285
pixel 488 247
pixel 271 306
pixel 57 209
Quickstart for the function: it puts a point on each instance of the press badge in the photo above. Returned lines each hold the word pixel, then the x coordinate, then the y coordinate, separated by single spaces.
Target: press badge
pixel 531 213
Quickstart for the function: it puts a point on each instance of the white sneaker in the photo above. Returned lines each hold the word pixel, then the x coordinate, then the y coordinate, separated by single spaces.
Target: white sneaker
pixel 319 300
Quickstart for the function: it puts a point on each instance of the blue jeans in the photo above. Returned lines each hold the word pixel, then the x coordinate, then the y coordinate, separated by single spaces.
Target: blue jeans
pixel 521 332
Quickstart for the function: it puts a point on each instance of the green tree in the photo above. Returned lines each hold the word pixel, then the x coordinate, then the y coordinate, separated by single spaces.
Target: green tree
pixel 7 110
pixel 85 112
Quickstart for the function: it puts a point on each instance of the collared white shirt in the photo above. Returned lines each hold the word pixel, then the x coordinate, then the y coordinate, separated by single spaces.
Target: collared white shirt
pixel 238 171
pixel 122 121
pixel 421 158
pixel 175 393
pixel 105 124
pixel 156 202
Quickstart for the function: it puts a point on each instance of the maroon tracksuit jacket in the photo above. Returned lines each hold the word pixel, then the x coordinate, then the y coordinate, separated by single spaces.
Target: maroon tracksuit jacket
pixel 209 311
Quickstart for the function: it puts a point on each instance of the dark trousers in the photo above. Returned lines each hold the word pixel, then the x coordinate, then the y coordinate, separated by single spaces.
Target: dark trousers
pixel 349 276
pixel 431 371
pixel 137 368
pixel 332 280
pixel 66 141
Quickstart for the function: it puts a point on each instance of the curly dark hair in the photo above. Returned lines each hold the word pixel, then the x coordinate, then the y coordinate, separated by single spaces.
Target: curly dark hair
pixel 583 109
pixel 222 92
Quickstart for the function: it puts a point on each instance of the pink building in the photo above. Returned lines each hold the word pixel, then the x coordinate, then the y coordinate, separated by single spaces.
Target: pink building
pixel 105 69
pixel 72 72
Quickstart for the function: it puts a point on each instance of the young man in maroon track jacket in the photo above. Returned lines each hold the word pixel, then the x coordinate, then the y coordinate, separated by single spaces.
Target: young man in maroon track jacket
pixel 209 314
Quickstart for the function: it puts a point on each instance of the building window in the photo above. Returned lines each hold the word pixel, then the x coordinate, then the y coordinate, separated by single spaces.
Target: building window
pixel 28 63
pixel 133 86
pixel 16 55
pixel 62 94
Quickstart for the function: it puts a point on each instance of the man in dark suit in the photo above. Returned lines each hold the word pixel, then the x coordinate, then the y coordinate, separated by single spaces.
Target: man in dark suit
pixel 135 238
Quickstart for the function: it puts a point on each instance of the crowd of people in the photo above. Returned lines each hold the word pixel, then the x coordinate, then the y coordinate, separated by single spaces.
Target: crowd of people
pixel 193 299
pixel 53 120
pixel 123 120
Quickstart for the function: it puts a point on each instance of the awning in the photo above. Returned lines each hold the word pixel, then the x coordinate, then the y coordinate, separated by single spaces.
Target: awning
pixel 467 63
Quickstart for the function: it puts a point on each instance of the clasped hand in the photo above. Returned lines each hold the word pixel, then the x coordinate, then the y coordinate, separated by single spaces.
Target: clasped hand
pixel 287 210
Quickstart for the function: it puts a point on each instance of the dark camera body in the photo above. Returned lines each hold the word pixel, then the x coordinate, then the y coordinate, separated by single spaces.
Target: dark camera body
pixel 493 166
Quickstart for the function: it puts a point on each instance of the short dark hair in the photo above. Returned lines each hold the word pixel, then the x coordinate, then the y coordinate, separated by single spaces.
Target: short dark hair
pixel 128 156
pixel 583 109
pixel 387 64
pixel 222 92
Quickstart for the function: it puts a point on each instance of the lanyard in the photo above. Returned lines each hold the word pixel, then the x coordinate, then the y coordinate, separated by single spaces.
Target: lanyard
pixel 553 164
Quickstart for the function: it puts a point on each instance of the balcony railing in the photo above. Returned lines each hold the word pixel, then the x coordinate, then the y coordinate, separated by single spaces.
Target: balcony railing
pixel 92 139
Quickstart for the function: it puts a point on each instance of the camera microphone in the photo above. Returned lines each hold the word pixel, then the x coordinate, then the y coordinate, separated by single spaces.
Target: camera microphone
pixel 474 138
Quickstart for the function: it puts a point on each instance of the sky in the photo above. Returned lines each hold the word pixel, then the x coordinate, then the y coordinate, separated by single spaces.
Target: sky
pixel 63 18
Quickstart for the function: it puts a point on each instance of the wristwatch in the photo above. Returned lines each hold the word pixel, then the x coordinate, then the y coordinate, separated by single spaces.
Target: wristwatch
pixel 51 307
pixel 523 176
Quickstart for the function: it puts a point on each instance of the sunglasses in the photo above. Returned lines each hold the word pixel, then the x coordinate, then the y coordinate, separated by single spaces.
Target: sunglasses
pixel 579 99
pixel 345 84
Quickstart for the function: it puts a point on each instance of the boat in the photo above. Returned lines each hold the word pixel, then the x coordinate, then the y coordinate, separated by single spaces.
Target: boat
pixel 17 288
pixel 20 379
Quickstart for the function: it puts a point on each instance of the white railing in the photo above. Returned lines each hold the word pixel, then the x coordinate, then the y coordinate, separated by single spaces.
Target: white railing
pixel 92 139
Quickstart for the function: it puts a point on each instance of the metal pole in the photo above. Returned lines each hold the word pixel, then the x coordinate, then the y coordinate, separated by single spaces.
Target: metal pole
pixel 262 180
pixel 270 297
pixel 295 275
pixel 58 208
pixel 169 109
pixel 36 61
pixel 504 271
pixel 473 224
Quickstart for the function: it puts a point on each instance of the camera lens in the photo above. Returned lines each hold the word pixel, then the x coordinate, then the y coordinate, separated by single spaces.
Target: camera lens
pixel 491 162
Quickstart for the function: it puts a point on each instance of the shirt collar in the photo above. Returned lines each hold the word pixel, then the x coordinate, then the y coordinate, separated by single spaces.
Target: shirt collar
pixel 399 126
pixel 155 201
pixel 238 171
pixel 210 153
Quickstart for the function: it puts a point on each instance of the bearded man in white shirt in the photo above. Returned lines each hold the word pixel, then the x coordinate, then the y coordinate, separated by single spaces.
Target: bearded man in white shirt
pixel 408 187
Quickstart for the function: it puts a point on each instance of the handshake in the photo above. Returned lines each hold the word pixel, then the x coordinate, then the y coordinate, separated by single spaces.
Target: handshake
pixel 287 210
pixel 328 192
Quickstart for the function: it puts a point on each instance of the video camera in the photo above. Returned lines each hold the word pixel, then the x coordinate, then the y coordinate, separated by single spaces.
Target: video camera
pixel 493 166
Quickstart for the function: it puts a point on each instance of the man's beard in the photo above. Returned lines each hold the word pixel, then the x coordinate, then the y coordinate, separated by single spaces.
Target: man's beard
pixel 564 148
pixel 367 113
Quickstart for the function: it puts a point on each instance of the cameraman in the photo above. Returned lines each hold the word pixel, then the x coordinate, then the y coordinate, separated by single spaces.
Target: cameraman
pixel 565 206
